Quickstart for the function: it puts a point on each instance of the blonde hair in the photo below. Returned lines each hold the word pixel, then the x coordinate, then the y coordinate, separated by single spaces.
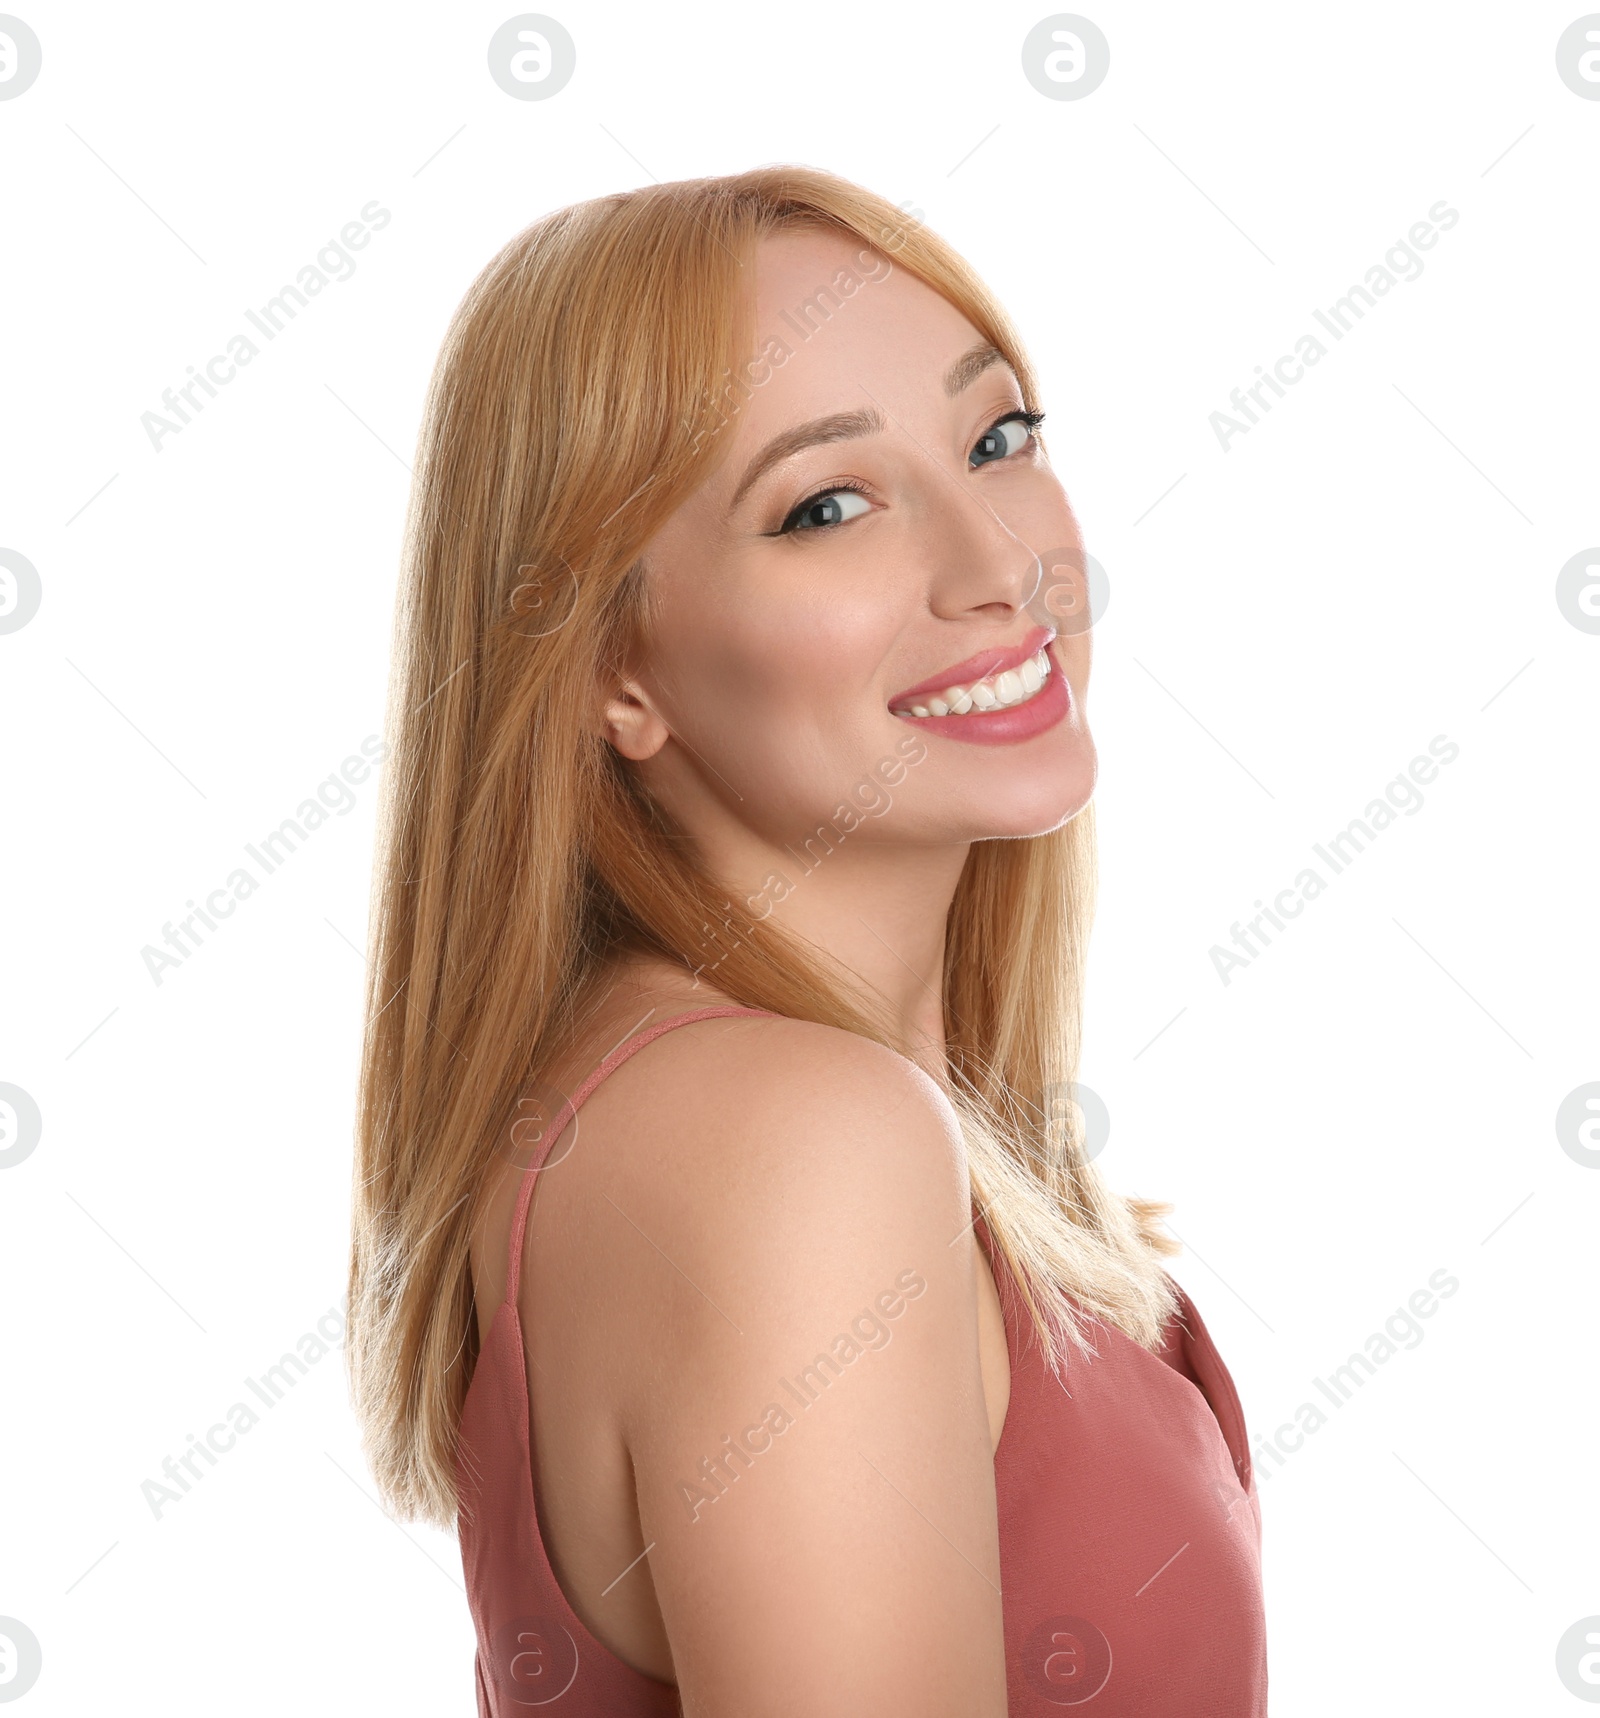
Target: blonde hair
pixel 574 406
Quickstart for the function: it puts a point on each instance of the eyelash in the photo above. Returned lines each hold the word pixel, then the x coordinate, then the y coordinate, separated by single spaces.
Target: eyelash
pixel 852 486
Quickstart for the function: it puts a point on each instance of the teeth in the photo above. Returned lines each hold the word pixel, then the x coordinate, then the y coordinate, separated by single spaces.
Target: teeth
pixel 998 692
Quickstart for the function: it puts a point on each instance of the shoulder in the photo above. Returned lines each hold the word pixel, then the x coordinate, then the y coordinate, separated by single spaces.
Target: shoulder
pixel 777 1061
pixel 760 1110
pixel 796 1252
pixel 753 1171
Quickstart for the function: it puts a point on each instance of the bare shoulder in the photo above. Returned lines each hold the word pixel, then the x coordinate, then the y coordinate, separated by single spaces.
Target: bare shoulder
pixel 736 1136
pixel 791 1313
pixel 839 1094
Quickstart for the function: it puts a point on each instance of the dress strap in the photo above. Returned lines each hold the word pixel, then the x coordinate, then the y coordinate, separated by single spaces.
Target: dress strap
pixel 630 1046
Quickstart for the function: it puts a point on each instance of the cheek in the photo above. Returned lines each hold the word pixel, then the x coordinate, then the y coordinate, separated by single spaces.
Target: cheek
pixel 796 650
pixel 1072 651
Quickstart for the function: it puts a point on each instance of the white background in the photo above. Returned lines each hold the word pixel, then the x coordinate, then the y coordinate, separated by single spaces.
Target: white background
pixel 1371 1100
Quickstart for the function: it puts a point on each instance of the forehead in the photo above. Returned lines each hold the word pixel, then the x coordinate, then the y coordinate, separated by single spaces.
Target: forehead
pixel 839 322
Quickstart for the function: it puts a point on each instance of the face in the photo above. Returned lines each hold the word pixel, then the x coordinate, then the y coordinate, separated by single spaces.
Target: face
pixel 882 536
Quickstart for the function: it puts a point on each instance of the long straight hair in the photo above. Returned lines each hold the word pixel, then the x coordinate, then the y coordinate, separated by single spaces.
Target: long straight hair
pixel 575 404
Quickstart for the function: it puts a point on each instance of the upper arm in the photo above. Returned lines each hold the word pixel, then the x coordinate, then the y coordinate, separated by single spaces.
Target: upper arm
pixel 806 1416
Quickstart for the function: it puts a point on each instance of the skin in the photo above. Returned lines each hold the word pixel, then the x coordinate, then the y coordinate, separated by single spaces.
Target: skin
pixel 737 1192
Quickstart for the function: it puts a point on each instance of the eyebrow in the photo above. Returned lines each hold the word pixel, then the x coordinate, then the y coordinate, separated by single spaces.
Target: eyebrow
pixel 841 426
pixel 971 365
pixel 847 426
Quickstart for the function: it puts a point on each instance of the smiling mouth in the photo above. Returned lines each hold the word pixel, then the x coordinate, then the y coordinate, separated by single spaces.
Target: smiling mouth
pixel 1003 691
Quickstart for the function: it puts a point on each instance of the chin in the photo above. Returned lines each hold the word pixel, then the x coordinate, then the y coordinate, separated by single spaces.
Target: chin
pixel 1032 803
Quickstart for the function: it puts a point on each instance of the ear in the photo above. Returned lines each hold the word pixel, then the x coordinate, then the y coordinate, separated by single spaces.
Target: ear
pixel 631 725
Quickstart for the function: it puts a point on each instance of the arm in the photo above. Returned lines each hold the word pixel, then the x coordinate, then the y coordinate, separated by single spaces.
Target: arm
pixel 807 1422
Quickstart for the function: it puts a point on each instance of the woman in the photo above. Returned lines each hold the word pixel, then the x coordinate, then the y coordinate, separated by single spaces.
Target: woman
pixel 726 1264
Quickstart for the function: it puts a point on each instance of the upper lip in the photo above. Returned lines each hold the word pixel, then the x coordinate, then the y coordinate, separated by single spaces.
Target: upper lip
pixel 981 666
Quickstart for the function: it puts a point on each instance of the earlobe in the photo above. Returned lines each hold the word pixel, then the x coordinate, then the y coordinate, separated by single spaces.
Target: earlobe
pixel 631 727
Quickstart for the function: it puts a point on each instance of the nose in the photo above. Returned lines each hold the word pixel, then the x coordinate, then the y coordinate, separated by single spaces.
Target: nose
pixel 977 562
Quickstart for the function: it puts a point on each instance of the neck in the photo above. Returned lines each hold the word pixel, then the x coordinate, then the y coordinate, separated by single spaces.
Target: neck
pixel 878 911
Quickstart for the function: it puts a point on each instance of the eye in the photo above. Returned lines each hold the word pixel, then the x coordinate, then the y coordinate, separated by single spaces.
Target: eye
pixel 1013 432
pixel 828 507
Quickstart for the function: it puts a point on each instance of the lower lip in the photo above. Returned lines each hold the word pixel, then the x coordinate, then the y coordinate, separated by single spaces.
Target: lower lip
pixel 1008 727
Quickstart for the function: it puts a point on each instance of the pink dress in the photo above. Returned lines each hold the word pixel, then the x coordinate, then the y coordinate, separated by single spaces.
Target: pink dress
pixel 1130 1532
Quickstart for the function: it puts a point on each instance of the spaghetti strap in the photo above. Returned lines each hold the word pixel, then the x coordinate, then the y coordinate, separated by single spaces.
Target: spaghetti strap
pixel 630 1046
